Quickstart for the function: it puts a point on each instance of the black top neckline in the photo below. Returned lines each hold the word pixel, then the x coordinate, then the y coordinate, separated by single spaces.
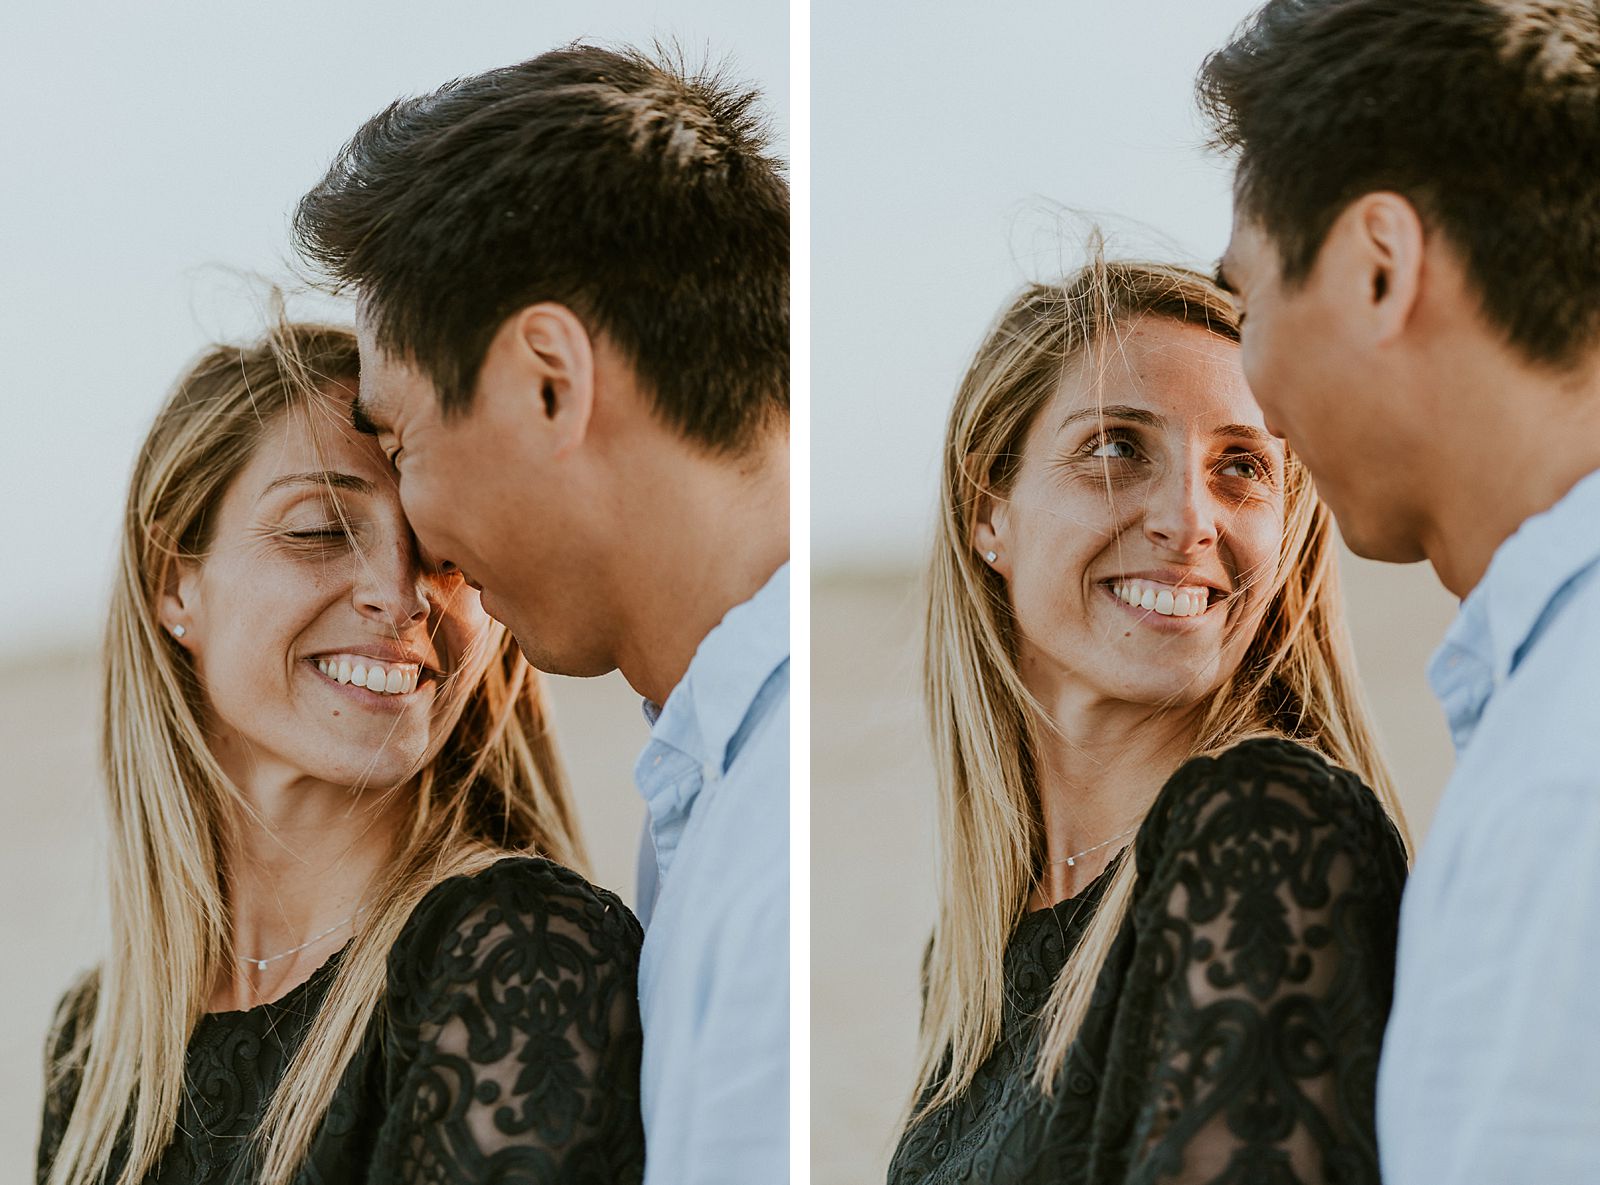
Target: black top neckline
pixel 287 1000
pixel 1082 897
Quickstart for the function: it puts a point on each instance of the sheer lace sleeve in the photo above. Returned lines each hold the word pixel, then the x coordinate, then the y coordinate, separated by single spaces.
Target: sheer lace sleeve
pixel 1264 934
pixel 514 1036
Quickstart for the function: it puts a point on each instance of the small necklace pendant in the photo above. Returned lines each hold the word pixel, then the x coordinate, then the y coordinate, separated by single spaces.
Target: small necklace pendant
pixel 1072 861
pixel 261 964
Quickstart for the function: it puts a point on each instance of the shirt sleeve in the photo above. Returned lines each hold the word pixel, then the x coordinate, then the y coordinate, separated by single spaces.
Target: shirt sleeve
pixel 1264 933
pixel 514 1038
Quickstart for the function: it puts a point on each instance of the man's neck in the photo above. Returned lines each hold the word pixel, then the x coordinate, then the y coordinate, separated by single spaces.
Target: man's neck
pixel 1523 438
pixel 709 542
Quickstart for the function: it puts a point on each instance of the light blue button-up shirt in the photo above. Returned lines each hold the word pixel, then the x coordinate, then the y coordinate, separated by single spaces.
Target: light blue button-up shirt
pixel 1491 1063
pixel 714 897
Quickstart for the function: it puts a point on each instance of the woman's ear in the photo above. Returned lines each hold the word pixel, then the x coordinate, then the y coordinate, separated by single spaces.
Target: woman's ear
pixel 179 600
pixel 989 523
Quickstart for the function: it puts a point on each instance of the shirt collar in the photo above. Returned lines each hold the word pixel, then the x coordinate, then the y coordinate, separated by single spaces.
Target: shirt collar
pixel 731 665
pixel 1500 617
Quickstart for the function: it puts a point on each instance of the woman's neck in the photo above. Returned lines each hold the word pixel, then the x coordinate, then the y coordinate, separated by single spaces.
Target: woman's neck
pixel 300 868
pixel 1099 765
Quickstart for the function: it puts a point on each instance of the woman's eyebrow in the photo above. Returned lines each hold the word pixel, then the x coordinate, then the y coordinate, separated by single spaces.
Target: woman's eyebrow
pixel 327 478
pixel 1258 436
pixel 1115 411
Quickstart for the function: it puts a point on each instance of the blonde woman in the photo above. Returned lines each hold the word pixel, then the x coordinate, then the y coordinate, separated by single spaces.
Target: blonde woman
pixel 1168 896
pixel 347 943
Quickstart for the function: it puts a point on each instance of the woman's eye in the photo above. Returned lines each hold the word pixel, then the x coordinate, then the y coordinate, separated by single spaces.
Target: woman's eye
pixel 1245 467
pixel 1115 449
pixel 319 535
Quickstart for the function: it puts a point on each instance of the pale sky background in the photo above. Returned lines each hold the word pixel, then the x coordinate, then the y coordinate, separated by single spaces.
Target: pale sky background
pixel 152 155
pixel 946 141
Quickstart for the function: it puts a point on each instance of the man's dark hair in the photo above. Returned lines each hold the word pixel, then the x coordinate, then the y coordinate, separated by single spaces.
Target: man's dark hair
pixel 632 190
pixel 1484 114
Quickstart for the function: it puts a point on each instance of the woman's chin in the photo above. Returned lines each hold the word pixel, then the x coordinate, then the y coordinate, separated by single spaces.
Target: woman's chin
pixel 375 767
pixel 1161 687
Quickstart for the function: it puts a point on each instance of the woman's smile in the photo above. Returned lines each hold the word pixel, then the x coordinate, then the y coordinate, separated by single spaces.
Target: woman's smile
pixel 367 681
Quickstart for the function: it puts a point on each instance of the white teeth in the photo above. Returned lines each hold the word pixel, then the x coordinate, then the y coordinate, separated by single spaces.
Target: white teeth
pixel 397 680
pixel 1161 598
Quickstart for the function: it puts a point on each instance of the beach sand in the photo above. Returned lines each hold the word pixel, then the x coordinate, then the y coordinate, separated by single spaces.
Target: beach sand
pixel 52 850
pixel 872 826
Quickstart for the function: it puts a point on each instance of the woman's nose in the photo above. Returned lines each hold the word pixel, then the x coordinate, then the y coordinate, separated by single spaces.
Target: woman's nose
pixel 1182 514
pixel 393 588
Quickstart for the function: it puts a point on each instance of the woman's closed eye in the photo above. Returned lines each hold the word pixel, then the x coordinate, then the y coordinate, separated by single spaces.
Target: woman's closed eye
pixel 325 535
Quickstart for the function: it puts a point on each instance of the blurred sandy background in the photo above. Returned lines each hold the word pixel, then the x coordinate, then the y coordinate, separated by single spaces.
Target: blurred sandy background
pixel 872 824
pixel 52 871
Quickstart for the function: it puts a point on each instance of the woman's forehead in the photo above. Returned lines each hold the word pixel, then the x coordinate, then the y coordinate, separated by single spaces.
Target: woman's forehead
pixel 314 437
pixel 1180 375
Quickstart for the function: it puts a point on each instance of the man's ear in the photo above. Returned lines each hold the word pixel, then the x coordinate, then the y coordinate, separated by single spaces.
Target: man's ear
pixel 990 519
pixel 1379 242
pixel 180 600
pixel 543 355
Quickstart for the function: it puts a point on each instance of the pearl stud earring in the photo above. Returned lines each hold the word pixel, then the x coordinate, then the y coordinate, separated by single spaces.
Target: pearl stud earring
pixel 178 631
pixel 991 556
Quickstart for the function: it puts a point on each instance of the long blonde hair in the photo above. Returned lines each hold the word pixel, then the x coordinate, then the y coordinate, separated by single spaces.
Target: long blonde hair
pixel 495 788
pixel 1297 678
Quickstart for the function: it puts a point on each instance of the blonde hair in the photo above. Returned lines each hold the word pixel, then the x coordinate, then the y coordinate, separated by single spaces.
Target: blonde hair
pixel 1297 678
pixel 495 788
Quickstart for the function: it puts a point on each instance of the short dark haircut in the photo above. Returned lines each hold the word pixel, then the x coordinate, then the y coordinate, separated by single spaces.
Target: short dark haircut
pixel 1484 114
pixel 635 191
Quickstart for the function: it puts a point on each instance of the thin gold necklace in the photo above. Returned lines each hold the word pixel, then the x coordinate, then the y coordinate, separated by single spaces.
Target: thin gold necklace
pixel 261 964
pixel 1069 861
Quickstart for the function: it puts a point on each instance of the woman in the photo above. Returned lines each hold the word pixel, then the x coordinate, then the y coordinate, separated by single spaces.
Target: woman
pixel 347 945
pixel 1167 906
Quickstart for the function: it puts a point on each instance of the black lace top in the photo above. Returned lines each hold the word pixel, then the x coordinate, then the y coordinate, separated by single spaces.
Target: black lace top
pixel 1235 1028
pixel 506 1050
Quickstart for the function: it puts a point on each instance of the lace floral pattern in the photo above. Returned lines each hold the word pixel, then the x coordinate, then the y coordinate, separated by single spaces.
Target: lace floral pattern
pixel 1235 1029
pixel 507 1050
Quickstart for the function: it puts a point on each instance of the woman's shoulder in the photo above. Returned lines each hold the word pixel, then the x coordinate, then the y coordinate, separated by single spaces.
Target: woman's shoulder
pixel 522 915
pixel 523 893
pixel 1259 788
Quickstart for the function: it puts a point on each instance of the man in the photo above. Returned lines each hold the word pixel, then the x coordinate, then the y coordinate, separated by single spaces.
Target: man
pixel 1416 250
pixel 572 303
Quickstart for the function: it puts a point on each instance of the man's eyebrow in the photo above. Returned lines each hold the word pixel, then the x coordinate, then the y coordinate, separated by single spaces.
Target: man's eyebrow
pixel 326 478
pixel 1115 411
pixel 1221 278
pixel 360 420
